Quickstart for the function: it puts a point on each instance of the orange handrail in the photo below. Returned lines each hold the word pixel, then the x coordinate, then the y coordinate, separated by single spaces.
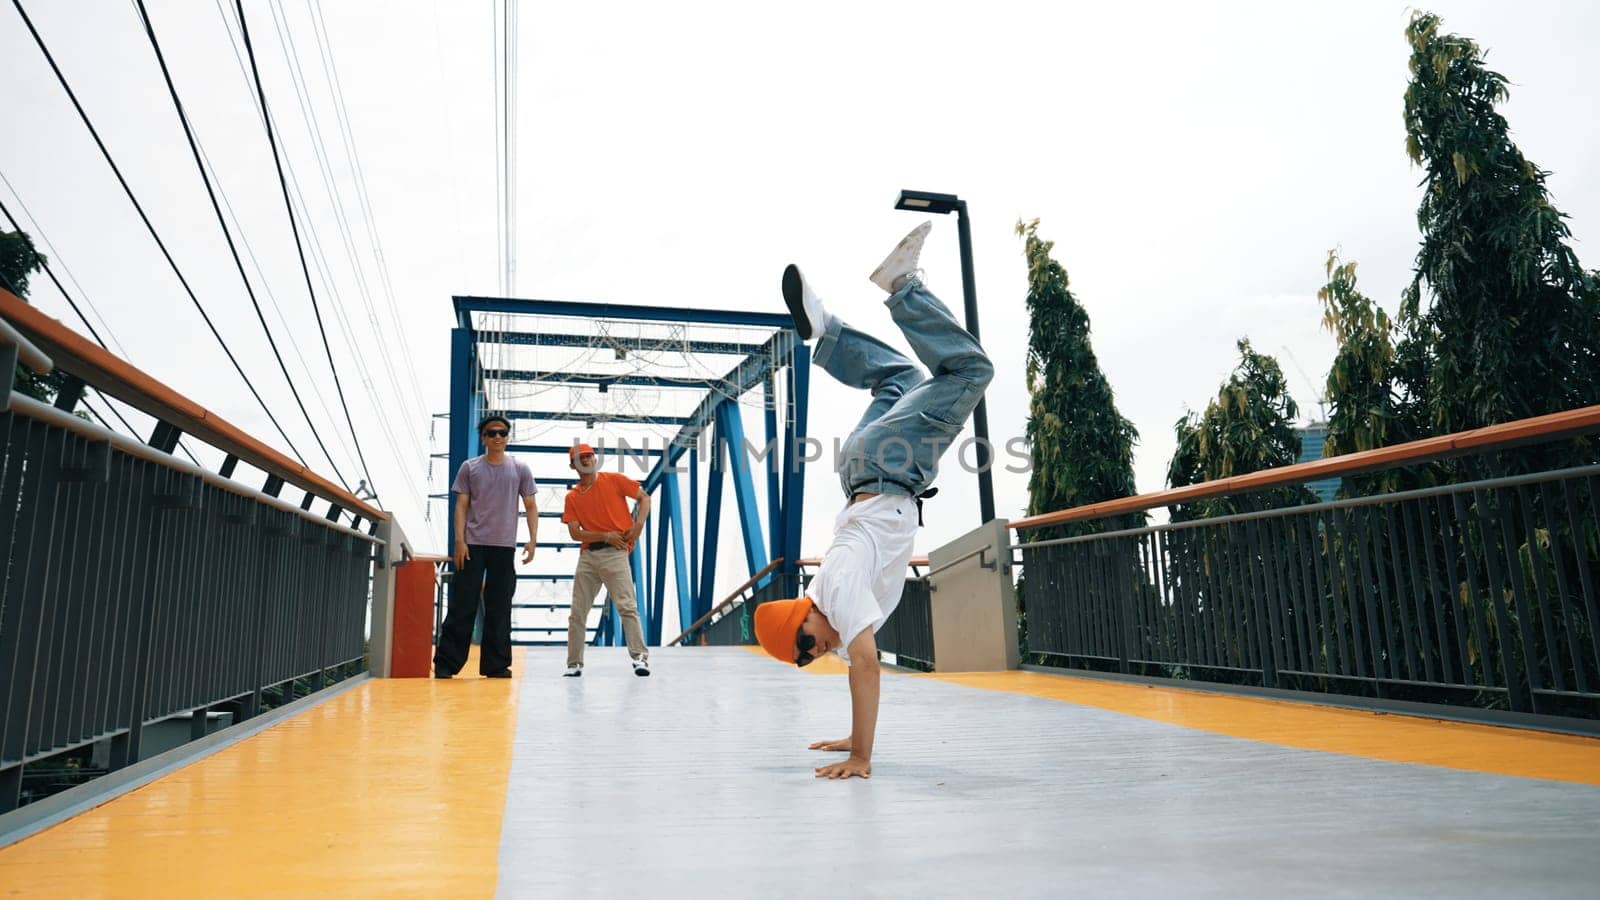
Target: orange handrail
pixel 111 375
pixel 729 601
pixel 1523 431
pixel 813 561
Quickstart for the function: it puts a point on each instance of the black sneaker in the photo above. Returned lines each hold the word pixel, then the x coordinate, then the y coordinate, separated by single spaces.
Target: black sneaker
pixel 503 673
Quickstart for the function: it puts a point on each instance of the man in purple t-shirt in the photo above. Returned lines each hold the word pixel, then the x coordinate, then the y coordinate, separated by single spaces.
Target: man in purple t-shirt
pixel 487 490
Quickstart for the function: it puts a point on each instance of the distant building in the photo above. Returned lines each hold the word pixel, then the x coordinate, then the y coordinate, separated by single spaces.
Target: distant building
pixel 1311 439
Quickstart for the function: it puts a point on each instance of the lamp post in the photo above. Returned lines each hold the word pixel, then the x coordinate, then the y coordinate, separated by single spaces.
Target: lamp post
pixel 944 204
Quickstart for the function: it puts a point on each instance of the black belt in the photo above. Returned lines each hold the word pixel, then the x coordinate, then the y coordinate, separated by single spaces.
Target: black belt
pixel 911 492
pixel 600 545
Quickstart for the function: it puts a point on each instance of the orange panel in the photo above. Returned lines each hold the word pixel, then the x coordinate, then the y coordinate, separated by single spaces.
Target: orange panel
pixel 411 654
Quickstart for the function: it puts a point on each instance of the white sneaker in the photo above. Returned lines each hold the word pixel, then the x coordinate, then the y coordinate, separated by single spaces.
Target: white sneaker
pixel 902 260
pixel 641 666
pixel 574 671
pixel 810 318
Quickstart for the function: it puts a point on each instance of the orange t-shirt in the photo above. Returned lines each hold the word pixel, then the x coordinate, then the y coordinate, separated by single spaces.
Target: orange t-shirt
pixel 604 506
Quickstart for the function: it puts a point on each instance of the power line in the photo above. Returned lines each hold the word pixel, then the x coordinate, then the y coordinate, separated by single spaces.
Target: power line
pixel 68 297
pixel 56 255
pixel 261 275
pixel 341 218
pixel 331 71
pixel 188 133
pixel 499 165
pixel 509 95
pixel 244 30
pixel 89 124
pixel 323 268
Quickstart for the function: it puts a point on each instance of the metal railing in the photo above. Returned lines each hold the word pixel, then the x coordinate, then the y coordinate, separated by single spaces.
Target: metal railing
pixel 1482 594
pixel 908 634
pixel 140 591
pixel 729 622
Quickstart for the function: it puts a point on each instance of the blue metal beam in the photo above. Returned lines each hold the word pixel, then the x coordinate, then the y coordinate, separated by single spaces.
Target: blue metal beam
pixel 554 482
pixel 745 376
pixel 535 415
pixel 646 591
pixel 708 553
pixel 633 344
pixel 769 408
pixel 554 377
pixel 663 513
pixel 731 424
pixel 794 474
pixel 595 310
pixel 694 525
pixel 565 449
pixel 675 501
pixel 461 431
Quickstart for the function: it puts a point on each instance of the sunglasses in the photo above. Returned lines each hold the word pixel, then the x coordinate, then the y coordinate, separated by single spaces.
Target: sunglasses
pixel 803 645
pixel 497 432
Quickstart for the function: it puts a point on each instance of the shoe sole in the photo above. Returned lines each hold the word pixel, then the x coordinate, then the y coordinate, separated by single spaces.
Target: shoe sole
pixel 794 296
pixel 571 674
pixel 642 673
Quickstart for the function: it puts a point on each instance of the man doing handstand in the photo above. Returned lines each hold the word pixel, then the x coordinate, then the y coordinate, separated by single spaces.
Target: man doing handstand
pixel 888 464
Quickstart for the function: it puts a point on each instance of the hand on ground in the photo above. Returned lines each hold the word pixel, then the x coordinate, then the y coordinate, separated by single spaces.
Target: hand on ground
pixel 852 766
pixel 842 744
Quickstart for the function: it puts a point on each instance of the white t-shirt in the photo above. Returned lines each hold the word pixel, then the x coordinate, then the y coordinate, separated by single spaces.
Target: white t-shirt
pixel 864 571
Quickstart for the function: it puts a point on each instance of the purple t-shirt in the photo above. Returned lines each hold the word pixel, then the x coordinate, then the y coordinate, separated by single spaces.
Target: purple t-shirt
pixel 494 499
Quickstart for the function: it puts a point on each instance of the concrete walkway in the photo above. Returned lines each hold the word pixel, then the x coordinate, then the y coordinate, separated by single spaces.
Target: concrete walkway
pixel 696 782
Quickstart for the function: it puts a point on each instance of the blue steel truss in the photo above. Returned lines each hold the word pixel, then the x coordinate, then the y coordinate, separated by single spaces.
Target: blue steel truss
pixel 771 366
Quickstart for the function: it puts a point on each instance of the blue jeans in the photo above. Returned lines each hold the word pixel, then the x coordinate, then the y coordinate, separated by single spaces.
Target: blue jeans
pixel 912 419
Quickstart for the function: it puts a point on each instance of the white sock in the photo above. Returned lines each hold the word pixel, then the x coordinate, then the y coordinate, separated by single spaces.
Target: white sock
pixel 816 312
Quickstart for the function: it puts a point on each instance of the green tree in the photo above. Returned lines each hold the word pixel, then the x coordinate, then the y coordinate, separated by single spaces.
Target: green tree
pixel 1247 428
pixel 1371 407
pixel 18 260
pixel 1509 323
pixel 1361 389
pixel 1082 447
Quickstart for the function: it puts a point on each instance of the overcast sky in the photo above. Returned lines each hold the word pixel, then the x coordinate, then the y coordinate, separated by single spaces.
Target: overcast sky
pixel 1193 163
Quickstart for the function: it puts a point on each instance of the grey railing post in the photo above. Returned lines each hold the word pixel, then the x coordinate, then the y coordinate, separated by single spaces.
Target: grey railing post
pixel 380 645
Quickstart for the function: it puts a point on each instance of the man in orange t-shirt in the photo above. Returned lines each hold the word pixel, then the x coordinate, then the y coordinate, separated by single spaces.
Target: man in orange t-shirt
pixel 597 517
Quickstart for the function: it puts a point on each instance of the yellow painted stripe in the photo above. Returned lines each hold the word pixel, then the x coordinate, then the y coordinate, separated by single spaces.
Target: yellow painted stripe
pixel 396 787
pixel 1308 726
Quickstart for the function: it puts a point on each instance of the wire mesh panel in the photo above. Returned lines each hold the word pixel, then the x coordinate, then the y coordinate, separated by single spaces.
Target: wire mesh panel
pixel 1482 594
pixel 908 633
pixel 135 590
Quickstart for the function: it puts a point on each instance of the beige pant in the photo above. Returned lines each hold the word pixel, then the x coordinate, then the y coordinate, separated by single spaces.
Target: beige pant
pixel 610 568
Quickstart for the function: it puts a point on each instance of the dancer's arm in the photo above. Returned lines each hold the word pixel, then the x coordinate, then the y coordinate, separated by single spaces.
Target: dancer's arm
pixel 864 678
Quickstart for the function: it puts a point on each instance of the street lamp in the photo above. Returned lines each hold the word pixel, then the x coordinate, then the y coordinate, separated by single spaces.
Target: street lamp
pixel 944 204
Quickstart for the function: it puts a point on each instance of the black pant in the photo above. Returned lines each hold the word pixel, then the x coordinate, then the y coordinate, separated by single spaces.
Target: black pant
pixel 456 635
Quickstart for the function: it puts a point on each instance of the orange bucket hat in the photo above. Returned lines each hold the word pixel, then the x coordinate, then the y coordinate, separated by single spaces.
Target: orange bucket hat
pixel 777 621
